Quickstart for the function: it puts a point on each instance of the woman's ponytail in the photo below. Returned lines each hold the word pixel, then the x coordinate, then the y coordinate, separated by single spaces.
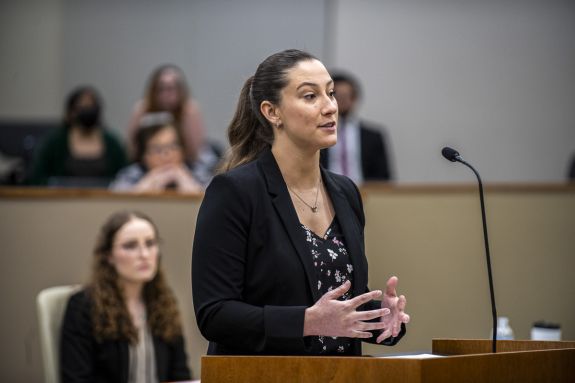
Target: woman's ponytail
pixel 250 132
pixel 247 134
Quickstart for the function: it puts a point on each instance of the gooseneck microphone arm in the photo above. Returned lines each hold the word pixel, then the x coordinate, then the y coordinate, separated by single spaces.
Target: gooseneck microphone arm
pixel 453 156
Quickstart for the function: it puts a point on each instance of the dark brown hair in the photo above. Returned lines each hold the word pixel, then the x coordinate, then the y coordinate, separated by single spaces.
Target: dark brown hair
pixel 145 133
pixel 249 131
pixel 110 315
pixel 347 77
pixel 73 99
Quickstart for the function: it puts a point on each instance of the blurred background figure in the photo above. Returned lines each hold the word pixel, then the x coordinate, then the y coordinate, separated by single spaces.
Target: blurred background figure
pixel 125 325
pixel 167 91
pixel 160 160
pixel 20 140
pixel 361 150
pixel 11 169
pixel 82 152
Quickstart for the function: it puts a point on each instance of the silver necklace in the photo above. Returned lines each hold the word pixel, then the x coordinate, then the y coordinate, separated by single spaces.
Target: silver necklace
pixel 314 207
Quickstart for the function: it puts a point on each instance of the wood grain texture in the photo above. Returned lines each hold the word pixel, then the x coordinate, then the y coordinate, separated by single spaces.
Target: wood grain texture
pixel 538 362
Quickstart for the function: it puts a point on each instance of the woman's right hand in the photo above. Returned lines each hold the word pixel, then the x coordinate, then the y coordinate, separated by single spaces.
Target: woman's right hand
pixel 332 317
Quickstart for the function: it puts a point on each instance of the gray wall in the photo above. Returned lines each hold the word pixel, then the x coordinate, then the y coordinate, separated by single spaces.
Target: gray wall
pixel 217 43
pixel 30 58
pixel 496 79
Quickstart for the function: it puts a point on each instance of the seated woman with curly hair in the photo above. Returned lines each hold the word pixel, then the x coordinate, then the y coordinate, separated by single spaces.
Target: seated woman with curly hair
pixel 125 325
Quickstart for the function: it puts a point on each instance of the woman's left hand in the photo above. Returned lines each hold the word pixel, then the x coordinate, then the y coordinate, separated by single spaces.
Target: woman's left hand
pixel 396 305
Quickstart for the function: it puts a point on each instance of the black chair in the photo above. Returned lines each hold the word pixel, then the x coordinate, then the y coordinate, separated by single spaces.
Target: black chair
pixel 19 139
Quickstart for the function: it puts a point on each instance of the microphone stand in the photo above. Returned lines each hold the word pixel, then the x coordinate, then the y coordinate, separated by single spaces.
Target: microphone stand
pixel 458 158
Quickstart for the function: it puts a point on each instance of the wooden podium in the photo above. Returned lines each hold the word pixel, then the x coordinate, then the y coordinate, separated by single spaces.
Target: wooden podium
pixel 462 361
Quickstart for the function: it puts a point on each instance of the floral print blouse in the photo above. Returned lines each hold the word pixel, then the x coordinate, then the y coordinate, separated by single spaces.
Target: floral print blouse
pixel 332 268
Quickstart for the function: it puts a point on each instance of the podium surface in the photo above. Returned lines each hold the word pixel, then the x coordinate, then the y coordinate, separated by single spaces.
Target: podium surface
pixel 462 361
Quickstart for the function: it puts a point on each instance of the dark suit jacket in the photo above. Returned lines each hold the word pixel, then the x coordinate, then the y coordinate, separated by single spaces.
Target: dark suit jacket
pixel 252 274
pixel 375 164
pixel 83 359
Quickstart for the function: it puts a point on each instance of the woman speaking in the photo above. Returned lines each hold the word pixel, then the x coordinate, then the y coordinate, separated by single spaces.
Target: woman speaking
pixel 278 264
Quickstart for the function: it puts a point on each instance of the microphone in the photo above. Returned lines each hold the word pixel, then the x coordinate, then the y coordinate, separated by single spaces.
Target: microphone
pixel 454 156
pixel 451 154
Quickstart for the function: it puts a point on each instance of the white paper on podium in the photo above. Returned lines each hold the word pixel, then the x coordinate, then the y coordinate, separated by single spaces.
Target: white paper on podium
pixel 411 356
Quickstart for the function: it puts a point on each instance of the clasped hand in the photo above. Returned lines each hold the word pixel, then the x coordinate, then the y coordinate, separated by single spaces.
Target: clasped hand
pixel 159 178
pixel 332 317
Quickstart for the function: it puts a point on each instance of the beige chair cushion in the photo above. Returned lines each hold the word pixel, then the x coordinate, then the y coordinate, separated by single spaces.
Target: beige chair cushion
pixel 51 304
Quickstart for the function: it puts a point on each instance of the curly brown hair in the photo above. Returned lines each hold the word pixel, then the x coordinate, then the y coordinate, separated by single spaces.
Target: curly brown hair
pixel 110 315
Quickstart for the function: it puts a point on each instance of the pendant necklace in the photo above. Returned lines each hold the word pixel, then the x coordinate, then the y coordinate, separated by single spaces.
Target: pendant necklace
pixel 313 207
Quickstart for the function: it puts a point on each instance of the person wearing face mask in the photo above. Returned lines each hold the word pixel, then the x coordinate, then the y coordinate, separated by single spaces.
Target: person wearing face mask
pixel 82 152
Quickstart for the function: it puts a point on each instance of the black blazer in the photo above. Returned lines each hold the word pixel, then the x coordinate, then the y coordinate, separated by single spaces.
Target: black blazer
pixel 252 276
pixel 83 359
pixel 375 163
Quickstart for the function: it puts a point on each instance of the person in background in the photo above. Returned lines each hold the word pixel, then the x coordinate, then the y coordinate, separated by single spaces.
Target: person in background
pixel 167 91
pixel 278 262
pixel 361 151
pixel 83 152
pixel 125 325
pixel 160 161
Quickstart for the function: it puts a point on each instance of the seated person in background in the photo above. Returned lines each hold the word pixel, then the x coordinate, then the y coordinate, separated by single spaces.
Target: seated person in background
pixel 125 325
pixel 160 162
pixel 82 152
pixel 167 91
pixel 11 169
pixel 360 152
